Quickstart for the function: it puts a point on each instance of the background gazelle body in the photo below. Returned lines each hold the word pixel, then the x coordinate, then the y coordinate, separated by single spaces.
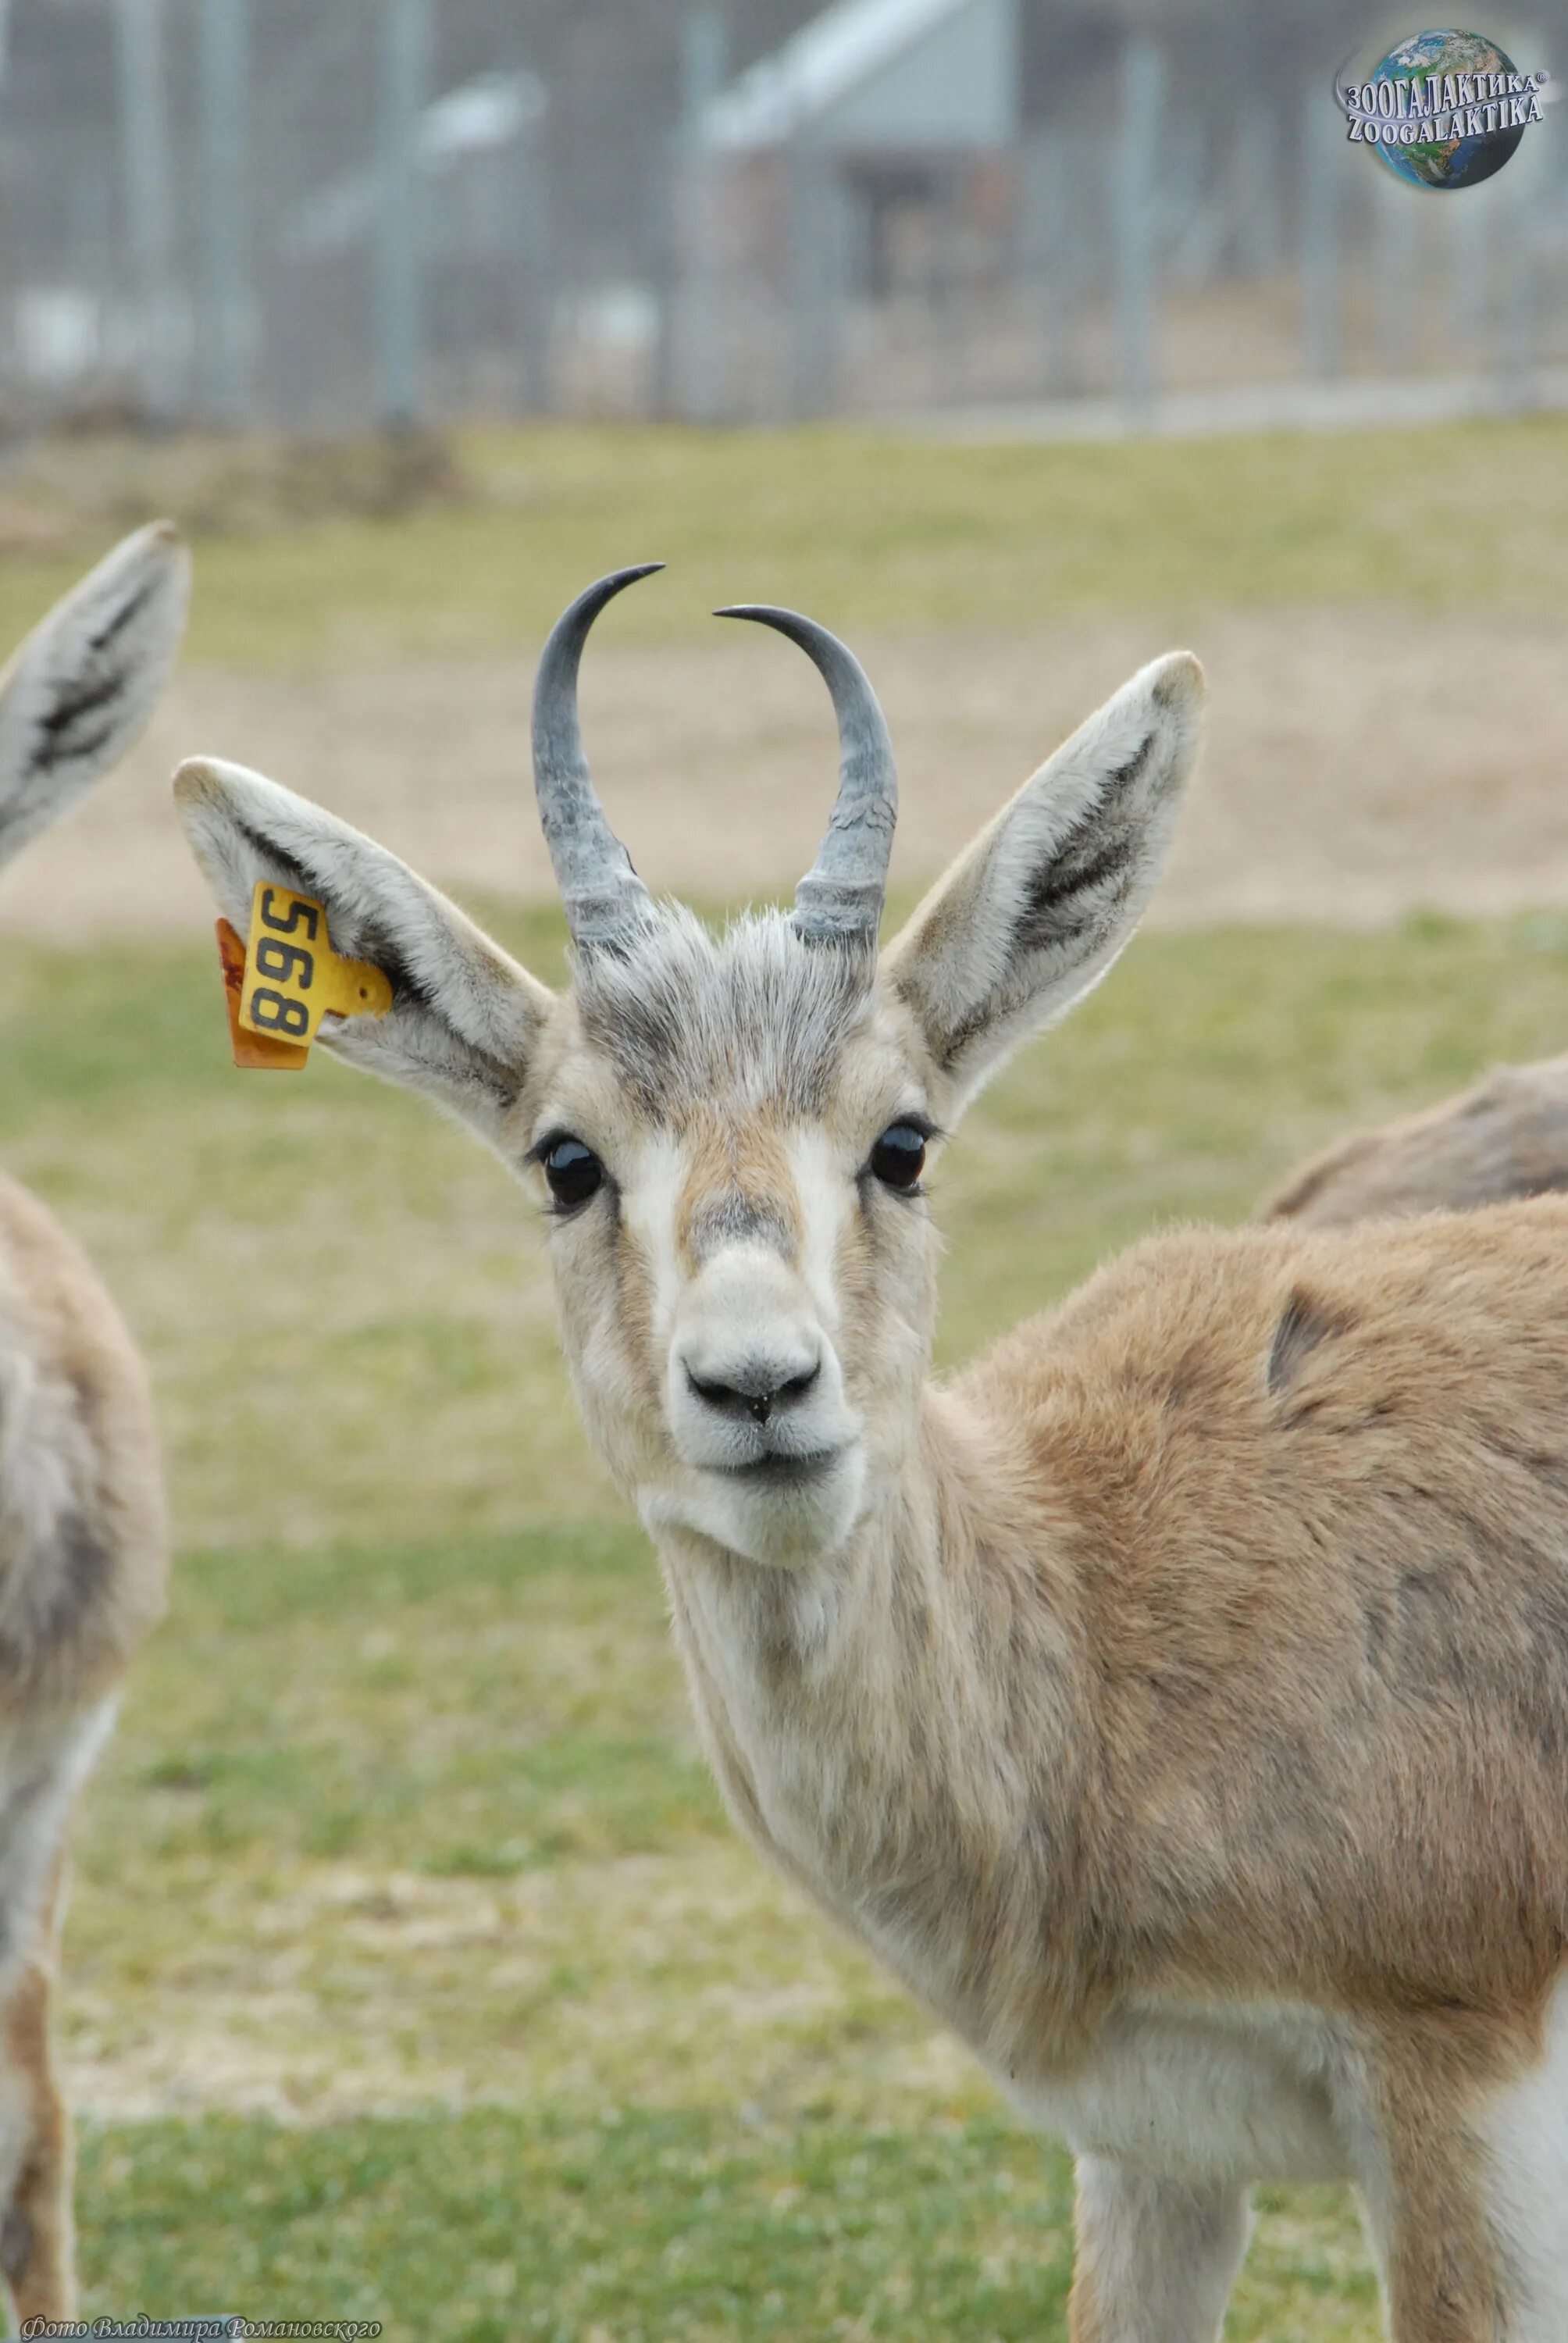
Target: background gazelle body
pixel 1178 1699
pixel 1505 1137
pixel 82 1542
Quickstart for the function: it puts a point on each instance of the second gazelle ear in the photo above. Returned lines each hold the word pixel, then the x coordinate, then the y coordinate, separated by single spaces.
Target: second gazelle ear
pixel 464 1020
pixel 88 678
pixel 1032 914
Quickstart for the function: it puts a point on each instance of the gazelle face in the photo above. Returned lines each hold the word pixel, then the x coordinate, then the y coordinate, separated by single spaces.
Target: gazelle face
pixel 729 1131
pixel 730 1146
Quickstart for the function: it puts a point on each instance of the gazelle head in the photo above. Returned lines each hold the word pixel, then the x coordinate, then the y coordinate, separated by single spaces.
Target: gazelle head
pixel 729 1131
pixel 82 686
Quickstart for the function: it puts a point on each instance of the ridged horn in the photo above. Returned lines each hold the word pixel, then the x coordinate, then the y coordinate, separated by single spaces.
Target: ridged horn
pixel 602 893
pixel 839 899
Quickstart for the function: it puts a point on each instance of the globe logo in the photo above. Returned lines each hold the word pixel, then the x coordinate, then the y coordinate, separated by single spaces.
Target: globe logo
pixel 1444 109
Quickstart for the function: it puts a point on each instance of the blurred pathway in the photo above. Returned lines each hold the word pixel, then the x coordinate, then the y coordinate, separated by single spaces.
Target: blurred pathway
pixel 1350 404
pixel 1360 763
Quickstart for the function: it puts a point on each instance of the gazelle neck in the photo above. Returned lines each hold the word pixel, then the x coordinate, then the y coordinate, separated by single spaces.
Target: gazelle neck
pixel 868 1719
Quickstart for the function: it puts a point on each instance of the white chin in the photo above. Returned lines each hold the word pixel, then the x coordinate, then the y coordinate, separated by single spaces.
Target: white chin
pixel 784 1527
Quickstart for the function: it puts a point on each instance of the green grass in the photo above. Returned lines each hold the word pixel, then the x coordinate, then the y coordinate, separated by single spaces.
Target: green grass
pixel 784 2176
pixel 413 1971
pixel 869 532
pixel 404 1878
pixel 447 1707
pixel 669 2228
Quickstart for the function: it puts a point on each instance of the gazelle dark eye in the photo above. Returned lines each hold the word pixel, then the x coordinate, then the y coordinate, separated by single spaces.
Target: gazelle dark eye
pixel 899 1157
pixel 574 1171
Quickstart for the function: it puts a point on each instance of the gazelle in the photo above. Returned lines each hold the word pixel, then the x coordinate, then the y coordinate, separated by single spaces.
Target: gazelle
pixel 82 1540
pixel 1177 1700
pixel 1504 1138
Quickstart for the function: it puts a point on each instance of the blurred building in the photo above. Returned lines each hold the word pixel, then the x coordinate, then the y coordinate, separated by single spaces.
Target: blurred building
pixel 868 164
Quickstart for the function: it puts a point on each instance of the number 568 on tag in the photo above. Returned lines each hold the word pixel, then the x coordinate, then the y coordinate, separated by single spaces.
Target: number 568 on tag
pixel 293 978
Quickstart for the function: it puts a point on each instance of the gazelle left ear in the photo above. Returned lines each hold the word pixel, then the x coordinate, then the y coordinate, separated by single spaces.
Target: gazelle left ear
pixel 1033 913
pixel 86 680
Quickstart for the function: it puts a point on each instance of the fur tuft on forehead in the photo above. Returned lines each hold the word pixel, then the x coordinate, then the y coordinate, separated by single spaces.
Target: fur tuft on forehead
pixel 756 1014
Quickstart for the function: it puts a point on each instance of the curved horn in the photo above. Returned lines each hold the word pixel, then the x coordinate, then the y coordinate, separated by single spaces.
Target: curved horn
pixel 601 891
pixel 839 899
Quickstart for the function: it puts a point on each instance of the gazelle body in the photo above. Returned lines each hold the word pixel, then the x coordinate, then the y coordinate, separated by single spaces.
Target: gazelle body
pixel 82 1541
pixel 1178 1699
pixel 1504 1138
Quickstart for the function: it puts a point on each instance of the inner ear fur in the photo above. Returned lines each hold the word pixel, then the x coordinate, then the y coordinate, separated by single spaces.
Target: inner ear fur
pixel 1033 913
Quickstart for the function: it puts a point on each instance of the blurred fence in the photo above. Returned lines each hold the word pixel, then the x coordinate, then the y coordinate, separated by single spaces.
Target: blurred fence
pixel 325 214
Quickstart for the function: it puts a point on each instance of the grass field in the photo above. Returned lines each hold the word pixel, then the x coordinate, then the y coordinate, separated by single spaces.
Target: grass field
pixel 413 1969
pixel 879 534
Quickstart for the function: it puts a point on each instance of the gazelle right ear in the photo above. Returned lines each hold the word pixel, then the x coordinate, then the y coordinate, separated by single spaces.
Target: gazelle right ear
pixel 86 680
pixel 465 1019
pixel 1035 912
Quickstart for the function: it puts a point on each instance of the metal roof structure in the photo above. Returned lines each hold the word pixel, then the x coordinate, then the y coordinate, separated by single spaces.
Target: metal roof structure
pixel 892 73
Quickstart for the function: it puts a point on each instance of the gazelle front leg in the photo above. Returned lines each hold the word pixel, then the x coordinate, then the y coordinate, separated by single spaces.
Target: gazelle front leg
pixel 1443 2274
pixel 1446 2289
pixel 1463 2200
pixel 1156 2258
pixel 36 2230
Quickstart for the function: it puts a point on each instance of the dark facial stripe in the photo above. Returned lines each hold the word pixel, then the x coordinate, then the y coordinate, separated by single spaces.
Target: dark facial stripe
pixel 734 1218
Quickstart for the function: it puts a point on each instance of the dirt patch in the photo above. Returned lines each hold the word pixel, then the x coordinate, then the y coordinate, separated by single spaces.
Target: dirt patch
pixel 648 1979
pixel 70 492
pixel 1360 763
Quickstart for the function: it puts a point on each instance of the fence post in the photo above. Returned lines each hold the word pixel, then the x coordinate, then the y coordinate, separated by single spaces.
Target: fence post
pixel 698 370
pixel 224 332
pixel 1142 80
pixel 1469 227
pixel 536 279
pixel 1049 251
pixel 149 197
pixel 1394 296
pixel 1258 185
pixel 400 272
pixel 811 274
pixel 1322 131
pixel 1516 336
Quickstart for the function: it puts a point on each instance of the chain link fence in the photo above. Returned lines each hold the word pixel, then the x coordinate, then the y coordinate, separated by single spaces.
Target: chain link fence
pixel 322 216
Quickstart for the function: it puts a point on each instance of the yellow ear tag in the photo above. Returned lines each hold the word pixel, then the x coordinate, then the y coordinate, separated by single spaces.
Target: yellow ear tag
pixel 249 1048
pixel 293 978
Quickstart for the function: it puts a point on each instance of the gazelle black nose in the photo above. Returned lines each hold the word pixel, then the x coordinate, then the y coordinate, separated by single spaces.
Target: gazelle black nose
pixel 756 1391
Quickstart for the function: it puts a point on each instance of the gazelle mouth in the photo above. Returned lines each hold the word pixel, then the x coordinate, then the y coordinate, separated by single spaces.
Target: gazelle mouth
pixel 775 1472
